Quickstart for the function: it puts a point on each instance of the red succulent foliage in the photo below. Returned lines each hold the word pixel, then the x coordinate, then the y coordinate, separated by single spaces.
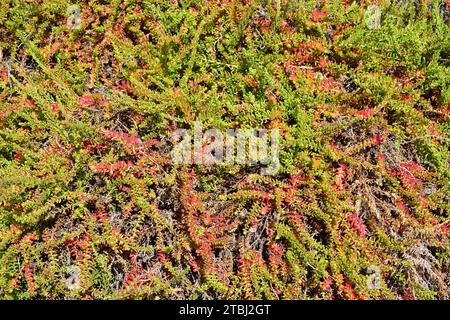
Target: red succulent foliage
pixel 366 113
pixel 86 101
pixel 318 15
pixel 341 173
pixel 55 107
pixel 18 156
pixel 114 169
pixel 349 292
pixel 29 277
pixel 377 139
pixel 357 224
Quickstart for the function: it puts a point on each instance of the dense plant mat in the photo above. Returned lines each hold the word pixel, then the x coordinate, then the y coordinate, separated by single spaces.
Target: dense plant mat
pixel 92 205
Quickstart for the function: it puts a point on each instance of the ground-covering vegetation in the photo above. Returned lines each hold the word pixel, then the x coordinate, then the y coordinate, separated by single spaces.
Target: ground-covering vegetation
pixel 92 205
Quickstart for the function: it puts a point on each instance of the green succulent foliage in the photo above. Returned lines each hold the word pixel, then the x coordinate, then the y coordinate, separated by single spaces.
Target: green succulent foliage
pixel 92 206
